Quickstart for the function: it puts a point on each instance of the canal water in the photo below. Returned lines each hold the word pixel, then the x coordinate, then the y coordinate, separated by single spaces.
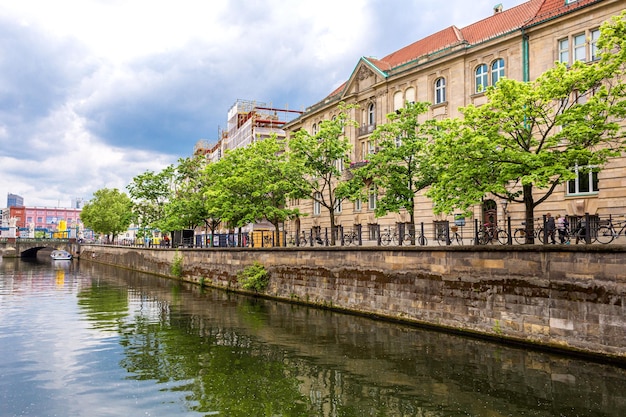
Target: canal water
pixel 80 339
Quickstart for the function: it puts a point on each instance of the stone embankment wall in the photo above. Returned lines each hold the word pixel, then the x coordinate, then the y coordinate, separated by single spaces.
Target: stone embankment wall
pixel 564 298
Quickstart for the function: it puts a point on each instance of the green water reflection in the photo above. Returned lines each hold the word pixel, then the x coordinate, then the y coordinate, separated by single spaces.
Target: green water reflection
pixel 223 354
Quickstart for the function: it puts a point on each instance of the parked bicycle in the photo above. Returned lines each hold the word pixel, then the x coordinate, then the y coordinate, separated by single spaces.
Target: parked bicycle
pixel 453 236
pixel 392 237
pixel 609 230
pixel 489 233
pixel 520 233
pixel 351 238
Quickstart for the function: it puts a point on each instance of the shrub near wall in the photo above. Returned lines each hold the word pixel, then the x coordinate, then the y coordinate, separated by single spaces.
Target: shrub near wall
pixel 571 298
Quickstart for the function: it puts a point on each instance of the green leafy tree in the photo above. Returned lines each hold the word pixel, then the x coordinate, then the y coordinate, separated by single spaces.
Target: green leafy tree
pixel 109 212
pixel 185 208
pixel 254 183
pixel 322 157
pixel 528 138
pixel 401 166
pixel 150 192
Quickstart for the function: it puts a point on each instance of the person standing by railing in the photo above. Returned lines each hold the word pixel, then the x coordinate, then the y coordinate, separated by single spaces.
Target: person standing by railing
pixel 550 229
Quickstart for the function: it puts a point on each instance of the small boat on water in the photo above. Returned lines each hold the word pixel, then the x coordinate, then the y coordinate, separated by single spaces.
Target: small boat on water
pixel 60 255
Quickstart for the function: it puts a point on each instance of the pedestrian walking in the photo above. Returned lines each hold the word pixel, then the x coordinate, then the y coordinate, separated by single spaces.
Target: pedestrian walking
pixel 550 228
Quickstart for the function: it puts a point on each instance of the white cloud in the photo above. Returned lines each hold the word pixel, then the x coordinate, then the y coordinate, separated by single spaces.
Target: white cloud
pixel 95 92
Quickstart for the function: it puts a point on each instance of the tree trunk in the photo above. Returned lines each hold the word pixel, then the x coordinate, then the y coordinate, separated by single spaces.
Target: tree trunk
pixel 529 206
pixel 332 226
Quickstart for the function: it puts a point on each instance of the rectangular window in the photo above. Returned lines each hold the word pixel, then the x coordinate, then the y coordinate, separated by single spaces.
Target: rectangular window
pixel 564 51
pixel 586 181
pixel 593 44
pixel 371 201
pixel 357 204
pixel 339 164
pixel 363 150
pixel 580 47
pixel 317 206
pixel 338 206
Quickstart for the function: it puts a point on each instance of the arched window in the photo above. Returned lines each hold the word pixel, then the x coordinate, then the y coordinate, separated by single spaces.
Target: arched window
pixel 410 95
pixel 440 90
pixel 482 78
pixel 497 70
pixel 314 129
pixel 371 118
pixel 398 102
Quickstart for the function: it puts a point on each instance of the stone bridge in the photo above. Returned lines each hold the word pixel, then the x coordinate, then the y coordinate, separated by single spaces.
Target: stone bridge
pixel 28 248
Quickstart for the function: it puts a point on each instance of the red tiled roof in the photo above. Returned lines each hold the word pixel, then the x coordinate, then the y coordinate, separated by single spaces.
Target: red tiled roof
pixel 524 15
pixel 553 8
pixel 492 26
pixel 435 42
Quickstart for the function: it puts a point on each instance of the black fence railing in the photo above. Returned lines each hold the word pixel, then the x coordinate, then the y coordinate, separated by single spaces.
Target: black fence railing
pixel 585 229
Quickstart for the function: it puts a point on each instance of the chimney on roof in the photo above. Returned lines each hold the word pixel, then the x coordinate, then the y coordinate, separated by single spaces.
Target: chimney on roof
pixel 497 8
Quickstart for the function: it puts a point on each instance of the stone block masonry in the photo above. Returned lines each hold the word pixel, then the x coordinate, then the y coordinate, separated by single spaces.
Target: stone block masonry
pixel 569 299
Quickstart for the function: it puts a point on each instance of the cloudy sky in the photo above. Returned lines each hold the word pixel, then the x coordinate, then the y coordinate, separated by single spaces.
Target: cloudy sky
pixel 95 92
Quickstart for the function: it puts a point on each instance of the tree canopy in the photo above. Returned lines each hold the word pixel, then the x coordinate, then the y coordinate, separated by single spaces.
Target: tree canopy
pixel 109 212
pixel 322 156
pixel 254 183
pixel 150 192
pixel 401 166
pixel 528 138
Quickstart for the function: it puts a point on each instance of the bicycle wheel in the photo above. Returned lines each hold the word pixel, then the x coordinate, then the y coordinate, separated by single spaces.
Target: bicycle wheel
pixel 421 239
pixel 503 237
pixel 456 238
pixel 520 236
pixel 441 239
pixel 483 237
pixel 385 239
pixel 604 235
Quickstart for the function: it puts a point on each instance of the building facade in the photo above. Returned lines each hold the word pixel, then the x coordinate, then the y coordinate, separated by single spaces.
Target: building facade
pixel 451 69
pixel 43 221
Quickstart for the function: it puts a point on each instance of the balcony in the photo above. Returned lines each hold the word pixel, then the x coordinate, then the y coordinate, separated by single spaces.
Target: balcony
pixel 366 129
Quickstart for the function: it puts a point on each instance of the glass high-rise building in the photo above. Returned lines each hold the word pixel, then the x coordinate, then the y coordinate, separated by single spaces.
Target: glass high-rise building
pixel 14 200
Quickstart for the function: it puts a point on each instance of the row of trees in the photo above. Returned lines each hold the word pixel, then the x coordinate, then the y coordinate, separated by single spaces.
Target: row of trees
pixel 519 146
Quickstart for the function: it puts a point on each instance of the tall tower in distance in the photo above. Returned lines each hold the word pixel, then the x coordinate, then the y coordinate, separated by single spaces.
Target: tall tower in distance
pixel 14 200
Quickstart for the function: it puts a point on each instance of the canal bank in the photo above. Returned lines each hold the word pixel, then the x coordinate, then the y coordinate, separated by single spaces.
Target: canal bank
pixel 570 299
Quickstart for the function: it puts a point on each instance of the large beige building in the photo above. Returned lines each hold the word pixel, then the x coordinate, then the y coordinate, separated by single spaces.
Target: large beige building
pixel 450 69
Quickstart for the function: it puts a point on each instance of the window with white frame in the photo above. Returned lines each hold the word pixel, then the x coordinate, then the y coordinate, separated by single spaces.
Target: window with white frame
pixel 497 70
pixel 371 146
pixel 357 204
pixel 564 50
pixel 398 101
pixel 593 44
pixel 314 129
pixel 338 206
pixel 579 47
pixel 372 197
pixel 371 114
pixel 410 95
pixel 339 164
pixel 363 150
pixel 481 78
pixel 440 90
pixel 586 181
pixel 317 206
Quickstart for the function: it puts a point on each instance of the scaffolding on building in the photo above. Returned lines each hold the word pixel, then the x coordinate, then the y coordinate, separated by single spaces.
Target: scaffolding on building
pixel 250 121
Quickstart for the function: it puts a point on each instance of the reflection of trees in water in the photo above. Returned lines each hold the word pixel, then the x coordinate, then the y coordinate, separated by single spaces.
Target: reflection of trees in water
pixel 105 305
pixel 220 369
pixel 246 357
